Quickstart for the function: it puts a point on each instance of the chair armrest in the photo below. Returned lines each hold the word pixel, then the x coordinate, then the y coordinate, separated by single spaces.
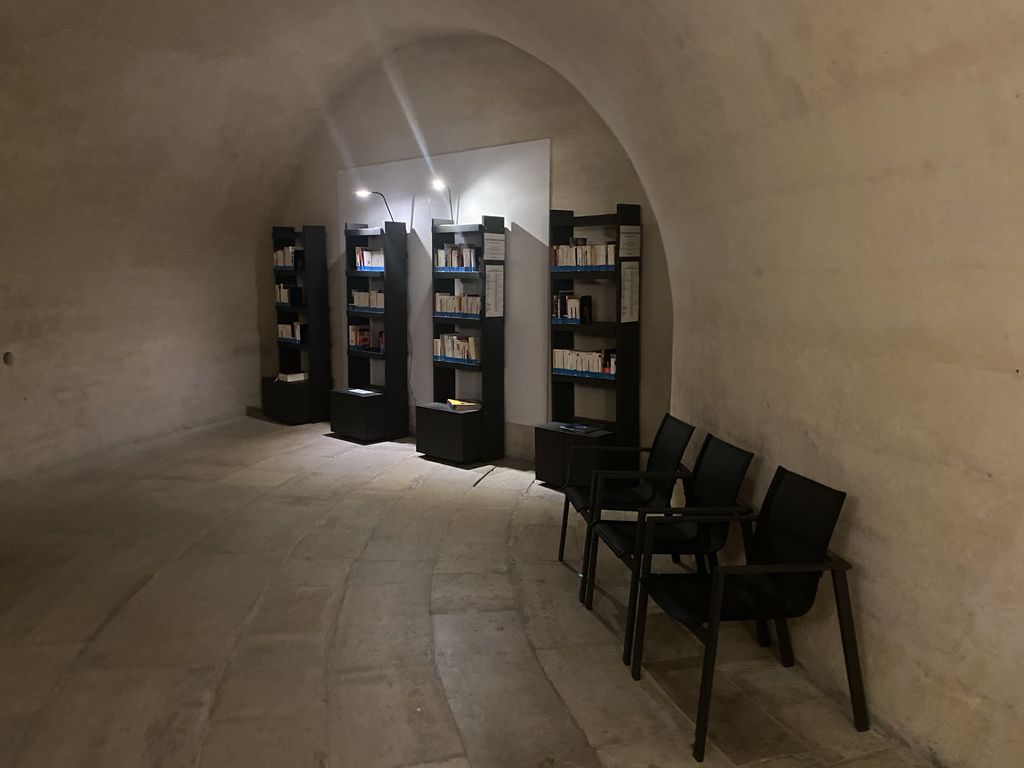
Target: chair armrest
pixel 601 475
pixel 579 449
pixel 648 520
pixel 701 515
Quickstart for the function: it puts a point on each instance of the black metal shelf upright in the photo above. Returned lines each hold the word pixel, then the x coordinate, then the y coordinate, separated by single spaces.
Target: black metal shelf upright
pixel 369 410
pixel 307 400
pixel 476 435
pixel 552 441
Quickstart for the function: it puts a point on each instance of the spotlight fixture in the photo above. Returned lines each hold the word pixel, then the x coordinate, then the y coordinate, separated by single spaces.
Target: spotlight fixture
pixel 439 184
pixel 368 192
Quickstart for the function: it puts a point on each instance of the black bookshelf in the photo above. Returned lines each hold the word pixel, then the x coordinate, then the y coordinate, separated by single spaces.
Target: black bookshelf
pixel 305 280
pixel 477 435
pixel 375 405
pixel 619 332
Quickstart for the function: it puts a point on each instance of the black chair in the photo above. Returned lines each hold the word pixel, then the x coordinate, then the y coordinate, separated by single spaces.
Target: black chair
pixel 715 483
pixel 628 490
pixel 786 557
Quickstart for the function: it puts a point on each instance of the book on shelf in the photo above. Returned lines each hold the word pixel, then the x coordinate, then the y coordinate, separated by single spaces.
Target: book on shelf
pixel 291 331
pixel 600 362
pixel 582 255
pixel 578 429
pixel 359 336
pixel 370 258
pixel 459 304
pixel 380 341
pixel 462 405
pixel 456 256
pixel 454 347
pixel 289 377
pixel 285 257
pixel 570 308
pixel 288 294
pixel 368 299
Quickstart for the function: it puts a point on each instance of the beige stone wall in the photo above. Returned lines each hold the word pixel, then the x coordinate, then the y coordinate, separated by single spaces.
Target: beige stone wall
pixel 471 92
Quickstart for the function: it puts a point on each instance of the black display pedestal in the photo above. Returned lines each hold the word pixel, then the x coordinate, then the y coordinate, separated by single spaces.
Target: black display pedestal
pixel 551 449
pixel 359 415
pixel 287 402
pixel 450 435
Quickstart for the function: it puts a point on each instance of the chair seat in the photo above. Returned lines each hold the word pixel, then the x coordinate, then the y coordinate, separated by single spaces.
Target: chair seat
pixel 615 497
pixel 683 539
pixel 687 597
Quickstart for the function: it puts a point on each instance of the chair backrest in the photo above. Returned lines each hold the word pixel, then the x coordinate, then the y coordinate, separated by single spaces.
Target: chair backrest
pixel 717 474
pixel 795 525
pixel 666 453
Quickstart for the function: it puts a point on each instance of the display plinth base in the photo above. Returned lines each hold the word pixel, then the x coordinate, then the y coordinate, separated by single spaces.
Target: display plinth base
pixel 289 402
pixel 359 415
pixel 455 436
pixel 551 454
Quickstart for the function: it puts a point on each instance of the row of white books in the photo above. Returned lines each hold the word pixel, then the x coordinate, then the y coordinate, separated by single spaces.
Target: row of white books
pixel 459 347
pixel 290 331
pixel 367 258
pixel 461 255
pixel 600 361
pixel 285 257
pixel 371 299
pixel 600 255
pixel 460 303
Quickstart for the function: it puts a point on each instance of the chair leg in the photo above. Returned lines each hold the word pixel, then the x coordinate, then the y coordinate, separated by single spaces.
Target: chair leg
pixel 634 588
pixel 565 526
pixel 641 627
pixel 712 561
pixel 763 638
pixel 701 568
pixel 707 681
pixel 785 644
pixel 590 577
pixel 846 630
pixel 583 563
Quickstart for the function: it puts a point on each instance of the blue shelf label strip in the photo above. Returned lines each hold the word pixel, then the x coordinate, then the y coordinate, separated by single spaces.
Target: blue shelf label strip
pixel 371 310
pixel 565 321
pixel 584 374
pixel 458 315
pixel 456 360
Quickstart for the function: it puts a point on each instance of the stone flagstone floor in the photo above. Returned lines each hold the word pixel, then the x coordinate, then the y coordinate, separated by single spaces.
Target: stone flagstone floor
pixel 259 596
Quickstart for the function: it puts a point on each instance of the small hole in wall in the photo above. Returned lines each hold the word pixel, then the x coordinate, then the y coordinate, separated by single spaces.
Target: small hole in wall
pixel 8 358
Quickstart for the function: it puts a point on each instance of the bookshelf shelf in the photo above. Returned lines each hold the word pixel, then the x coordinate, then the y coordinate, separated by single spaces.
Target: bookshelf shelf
pixel 456 365
pixel 305 313
pixel 586 273
pixel 373 354
pixel 375 404
pixel 595 379
pixel 475 435
pixel 585 329
pixel 600 233
pixel 464 274
pixel 380 274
